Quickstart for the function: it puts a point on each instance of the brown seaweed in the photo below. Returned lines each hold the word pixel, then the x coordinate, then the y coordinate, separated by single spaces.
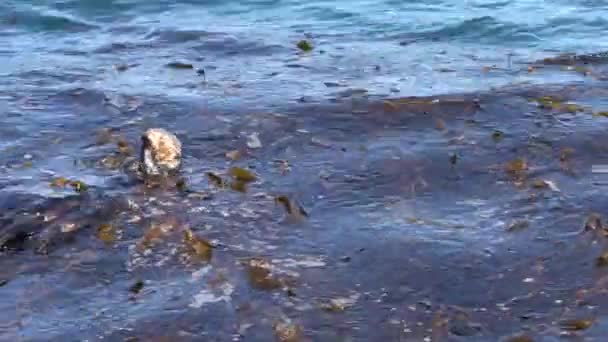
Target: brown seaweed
pixel 576 324
pixel 291 207
pixel 197 246
pixel 242 175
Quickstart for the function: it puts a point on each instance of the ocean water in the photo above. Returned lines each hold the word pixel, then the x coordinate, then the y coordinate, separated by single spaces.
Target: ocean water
pixel 397 133
pixel 253 44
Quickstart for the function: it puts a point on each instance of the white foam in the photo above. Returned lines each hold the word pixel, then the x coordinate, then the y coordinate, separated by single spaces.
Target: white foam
pixel 205 296
pixel 197 275
pixel 307 262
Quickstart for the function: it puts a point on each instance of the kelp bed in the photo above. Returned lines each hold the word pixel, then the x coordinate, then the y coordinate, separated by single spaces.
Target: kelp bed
pixel 473 217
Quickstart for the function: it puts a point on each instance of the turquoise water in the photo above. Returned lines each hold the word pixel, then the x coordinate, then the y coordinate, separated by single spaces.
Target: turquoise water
pixel 252 43
pixel 411 211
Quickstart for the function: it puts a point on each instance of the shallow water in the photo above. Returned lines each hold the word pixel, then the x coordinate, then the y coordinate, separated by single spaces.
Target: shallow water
pixel 416 229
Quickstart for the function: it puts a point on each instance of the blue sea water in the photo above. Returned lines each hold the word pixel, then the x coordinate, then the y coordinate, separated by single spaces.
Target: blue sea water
pixel 248 52
pixel 69 68
pixel 414 44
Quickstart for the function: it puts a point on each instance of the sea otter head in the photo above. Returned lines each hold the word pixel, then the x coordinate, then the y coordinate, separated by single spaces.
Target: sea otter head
pixel 160 154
